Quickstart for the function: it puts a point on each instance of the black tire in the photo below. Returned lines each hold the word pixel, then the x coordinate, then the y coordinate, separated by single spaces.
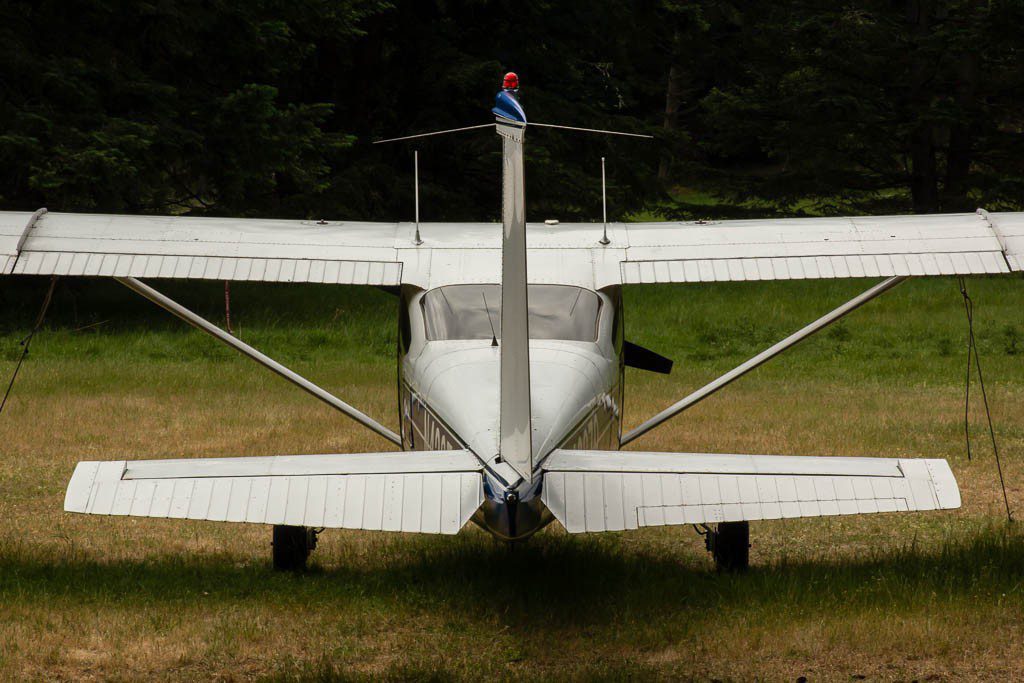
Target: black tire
pixel 292 546
pixel 731 546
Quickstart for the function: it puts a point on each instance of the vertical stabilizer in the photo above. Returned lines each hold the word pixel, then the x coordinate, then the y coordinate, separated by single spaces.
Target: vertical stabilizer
pixel 515 428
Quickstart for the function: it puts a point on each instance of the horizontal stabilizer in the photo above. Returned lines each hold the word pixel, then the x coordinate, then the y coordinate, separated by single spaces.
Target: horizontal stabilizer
pixel 617 490
pixel 420 491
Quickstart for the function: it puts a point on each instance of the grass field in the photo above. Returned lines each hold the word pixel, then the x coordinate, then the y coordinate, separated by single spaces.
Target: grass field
pixel 930 596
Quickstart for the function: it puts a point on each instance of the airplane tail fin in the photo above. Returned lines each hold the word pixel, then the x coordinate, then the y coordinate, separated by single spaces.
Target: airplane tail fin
pixel 515 434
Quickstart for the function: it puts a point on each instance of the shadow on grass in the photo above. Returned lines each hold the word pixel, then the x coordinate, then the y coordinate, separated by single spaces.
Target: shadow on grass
pixel 556 580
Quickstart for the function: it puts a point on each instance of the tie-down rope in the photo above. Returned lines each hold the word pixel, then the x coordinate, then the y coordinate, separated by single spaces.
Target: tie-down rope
pixel 972 347
pixel 27 341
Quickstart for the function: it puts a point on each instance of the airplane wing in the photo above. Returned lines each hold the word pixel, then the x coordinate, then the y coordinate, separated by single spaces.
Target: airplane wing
pixel 616 490
pixel 808 248
pixel 186 247
pixel 418 491
pixel 386 253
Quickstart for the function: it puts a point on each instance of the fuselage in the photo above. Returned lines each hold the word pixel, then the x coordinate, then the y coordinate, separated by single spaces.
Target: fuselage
pixel 449 364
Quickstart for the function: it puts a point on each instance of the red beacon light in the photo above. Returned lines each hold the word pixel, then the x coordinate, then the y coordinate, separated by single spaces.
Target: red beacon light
pixel 511 81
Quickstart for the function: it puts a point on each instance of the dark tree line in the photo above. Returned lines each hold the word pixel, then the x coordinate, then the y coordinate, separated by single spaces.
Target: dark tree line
pixel 268 108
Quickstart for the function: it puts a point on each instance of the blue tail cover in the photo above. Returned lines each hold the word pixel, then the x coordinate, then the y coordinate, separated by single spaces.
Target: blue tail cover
pixel 507 107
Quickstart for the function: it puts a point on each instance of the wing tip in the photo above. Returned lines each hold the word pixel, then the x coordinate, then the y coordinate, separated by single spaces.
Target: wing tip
pixel 76 498
pixel 944 483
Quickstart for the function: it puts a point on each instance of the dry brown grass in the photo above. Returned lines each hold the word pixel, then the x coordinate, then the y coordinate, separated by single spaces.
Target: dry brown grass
pixel 126 598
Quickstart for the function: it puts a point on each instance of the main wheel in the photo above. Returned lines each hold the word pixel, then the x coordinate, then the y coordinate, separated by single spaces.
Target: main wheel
pixel 730 546
pixel 292 546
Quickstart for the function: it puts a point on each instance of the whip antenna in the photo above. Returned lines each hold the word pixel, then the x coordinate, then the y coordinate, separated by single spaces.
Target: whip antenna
pixel 416 192
pixel 436 132
pixel 594 130
pixel 604 206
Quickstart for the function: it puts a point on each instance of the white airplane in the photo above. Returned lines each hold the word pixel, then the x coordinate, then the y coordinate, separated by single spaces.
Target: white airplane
pixel 511 353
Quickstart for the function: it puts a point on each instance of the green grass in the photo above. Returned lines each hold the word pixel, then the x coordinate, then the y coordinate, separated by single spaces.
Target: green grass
pixel 921 596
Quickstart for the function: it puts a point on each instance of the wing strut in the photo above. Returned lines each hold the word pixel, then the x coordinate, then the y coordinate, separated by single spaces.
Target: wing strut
pixel 202 324
pixel 769 353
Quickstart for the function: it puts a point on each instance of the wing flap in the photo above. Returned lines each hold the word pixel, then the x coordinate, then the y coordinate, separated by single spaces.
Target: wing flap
pixel 617 490
pixel 421 492
pixel 811 267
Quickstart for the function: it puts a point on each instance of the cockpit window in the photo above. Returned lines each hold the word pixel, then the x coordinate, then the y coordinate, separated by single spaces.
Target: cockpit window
pixel 472 311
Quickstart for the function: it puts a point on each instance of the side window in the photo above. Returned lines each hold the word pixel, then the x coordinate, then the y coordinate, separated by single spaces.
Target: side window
pixel 404 325
pixel 618 324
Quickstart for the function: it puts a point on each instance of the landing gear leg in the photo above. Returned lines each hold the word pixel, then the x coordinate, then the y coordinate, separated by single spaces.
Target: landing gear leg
pixel 292 546
pixel 729 544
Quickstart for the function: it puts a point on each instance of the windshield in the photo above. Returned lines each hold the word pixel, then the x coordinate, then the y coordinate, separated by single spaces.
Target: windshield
pixel 473 311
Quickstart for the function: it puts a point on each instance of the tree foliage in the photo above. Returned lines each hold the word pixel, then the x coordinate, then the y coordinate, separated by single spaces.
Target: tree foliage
pixel 864 105
pixel 268 108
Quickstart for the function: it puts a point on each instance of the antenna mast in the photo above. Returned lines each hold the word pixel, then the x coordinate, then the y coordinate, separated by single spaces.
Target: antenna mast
pixel 604 206
pixel 416 192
